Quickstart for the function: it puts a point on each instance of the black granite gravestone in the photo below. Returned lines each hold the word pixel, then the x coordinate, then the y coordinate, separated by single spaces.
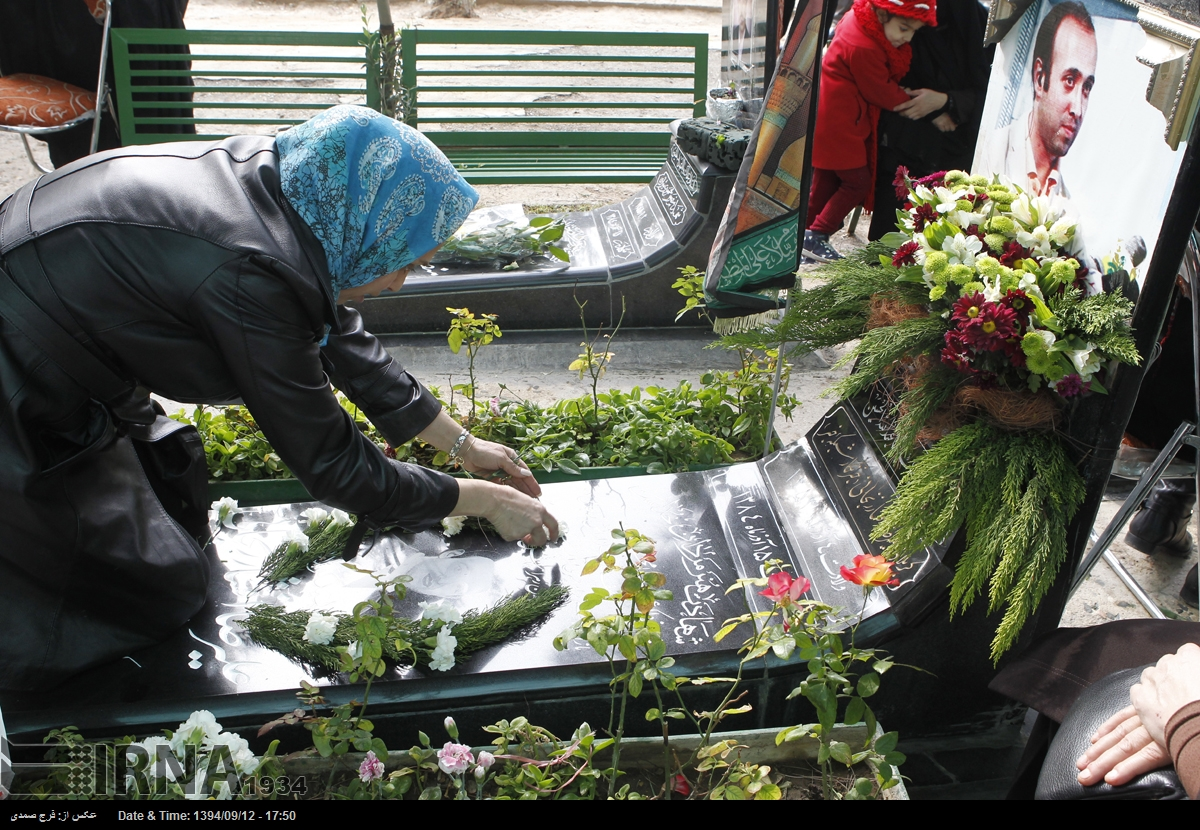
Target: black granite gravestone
pixel 809 505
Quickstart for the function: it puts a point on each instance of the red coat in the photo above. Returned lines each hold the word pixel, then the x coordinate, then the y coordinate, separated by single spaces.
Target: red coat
pixel 855 83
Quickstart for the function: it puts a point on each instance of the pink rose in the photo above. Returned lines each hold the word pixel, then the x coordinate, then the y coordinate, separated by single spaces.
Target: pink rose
pixel 370 769
pixel 455 759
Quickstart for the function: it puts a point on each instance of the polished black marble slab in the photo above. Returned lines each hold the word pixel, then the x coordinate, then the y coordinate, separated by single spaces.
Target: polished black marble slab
pixel 806 506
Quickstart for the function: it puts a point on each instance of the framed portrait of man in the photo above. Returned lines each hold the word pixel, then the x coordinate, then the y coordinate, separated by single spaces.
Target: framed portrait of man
pixel 1067 116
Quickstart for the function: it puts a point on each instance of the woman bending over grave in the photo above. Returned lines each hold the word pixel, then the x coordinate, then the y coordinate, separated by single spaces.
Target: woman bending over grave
pixel 210 273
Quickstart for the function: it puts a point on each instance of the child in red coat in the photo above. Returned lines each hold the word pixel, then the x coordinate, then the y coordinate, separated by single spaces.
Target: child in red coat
pixel 869 54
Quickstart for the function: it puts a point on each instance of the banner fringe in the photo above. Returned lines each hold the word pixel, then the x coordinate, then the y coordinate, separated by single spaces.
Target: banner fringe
pixel 737 325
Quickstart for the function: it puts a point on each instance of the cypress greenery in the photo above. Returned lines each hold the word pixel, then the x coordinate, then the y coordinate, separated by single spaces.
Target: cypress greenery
pixel 881 348
pixel 930 390
pixel 273 627
pixel 326 540
pixel 1015 492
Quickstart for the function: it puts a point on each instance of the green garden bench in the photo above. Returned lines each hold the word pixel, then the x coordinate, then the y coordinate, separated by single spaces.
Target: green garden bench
pixel 511 107
pixel 241 82
pixel 507 107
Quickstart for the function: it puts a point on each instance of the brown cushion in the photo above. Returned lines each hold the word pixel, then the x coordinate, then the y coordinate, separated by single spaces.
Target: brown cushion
pixel 98 9
pixel 36 101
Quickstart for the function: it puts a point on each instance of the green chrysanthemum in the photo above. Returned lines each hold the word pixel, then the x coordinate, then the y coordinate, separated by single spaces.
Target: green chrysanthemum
pixel 1002 224
pixel 972 287
pixel 995 242
pixel 988 266
pixel 1036 346
pixel 957 177
pixel 979 181
pixel 959 274
pixel 1063 271
pixel 964 204
pixel 1001 196
pixel 936 262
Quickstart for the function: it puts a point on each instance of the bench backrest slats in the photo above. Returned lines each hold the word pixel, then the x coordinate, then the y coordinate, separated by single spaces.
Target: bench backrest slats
pixel 236 79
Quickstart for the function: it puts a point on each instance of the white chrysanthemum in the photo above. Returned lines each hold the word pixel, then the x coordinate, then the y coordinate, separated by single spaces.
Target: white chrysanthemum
pixel 320 628
pixel 962 250
pixel 440 610
pixel 315 515
pixel 453 525
pixel 226 509
pixel 340 517
pixel 442 658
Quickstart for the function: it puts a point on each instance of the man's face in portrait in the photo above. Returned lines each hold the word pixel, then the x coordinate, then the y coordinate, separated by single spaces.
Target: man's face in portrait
pixel 1061 90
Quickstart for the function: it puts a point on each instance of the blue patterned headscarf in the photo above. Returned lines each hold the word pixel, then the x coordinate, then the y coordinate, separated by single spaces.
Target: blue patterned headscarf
pixel 377 193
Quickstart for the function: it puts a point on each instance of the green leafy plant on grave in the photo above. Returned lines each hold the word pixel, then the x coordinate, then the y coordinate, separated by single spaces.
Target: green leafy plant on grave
pixel 594 359
pixel 507 243
pixel 473 332
pixel 629 639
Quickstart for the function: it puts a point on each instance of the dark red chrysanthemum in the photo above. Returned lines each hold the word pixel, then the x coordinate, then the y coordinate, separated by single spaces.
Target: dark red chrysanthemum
pixel 936 179
pixel 994 325
pixel 1070 386
pixel 1014 353
pixel 1013 251
pixel 905 254
pixel 980 198
pixel 1021 305
pixel 923 215
pixel 956 353
pixel 901 182
pixel 968 308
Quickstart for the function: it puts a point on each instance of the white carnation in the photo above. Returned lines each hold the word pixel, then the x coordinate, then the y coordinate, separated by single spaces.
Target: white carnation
pixel 340 517
pixel 315 515
pixel 440 610
pixel 442 658
pixel 453 525
pixel 226 509
pixel 296 537
pixel 320 628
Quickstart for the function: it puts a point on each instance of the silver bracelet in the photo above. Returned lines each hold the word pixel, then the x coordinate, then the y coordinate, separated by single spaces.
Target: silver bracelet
pixel 457 449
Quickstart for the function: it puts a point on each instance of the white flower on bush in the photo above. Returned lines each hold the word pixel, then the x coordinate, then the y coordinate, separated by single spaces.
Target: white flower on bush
pixel 244 761
pixel 340 517
pixel 1029 285
pixel 453 525
pixel 320 628
pixel 354 649
pixel 442 658
pixel 924 193
pixel 962 250
pixel 158 760
pixel 226 509
pixel 200 729
pixel 440 610
pixel 1060 232
pixel 967 218
pixel 315 516
pixel 991 290
pixel 1023 210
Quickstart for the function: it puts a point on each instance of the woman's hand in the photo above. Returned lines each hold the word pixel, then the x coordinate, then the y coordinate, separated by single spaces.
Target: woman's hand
pixel 513 514
pixel 945 123
pixel 1121 750
pixel 1166 688
pixel 499 464
pixel 922 103
pixel 1131 742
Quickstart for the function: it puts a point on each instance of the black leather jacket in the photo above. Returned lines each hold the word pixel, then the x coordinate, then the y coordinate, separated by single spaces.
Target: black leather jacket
pixel 185 267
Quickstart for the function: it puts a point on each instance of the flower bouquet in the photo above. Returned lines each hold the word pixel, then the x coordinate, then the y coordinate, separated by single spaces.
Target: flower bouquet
pixel 977 317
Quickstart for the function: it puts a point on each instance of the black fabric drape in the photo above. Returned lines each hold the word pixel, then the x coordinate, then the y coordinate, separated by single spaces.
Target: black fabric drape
pixel 950 58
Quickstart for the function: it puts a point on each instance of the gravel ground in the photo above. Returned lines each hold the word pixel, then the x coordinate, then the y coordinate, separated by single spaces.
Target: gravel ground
pixel 538 370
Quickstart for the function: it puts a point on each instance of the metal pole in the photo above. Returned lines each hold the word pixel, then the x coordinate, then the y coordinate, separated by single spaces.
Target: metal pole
pixel 1140 595
pixel 100 82
pixel 778 377
pixel 1149 478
